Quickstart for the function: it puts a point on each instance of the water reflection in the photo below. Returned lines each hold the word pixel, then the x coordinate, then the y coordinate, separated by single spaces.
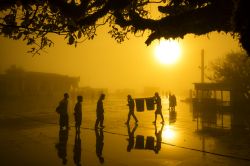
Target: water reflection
pixel 61 146
pixel 158 135
pixel 208 116
pixel 141 142
pixel 222 129
pixel 131 136
pixel 77 149
pixel 99 144
pixel 172 116
pixel 214 137
pixel 168 133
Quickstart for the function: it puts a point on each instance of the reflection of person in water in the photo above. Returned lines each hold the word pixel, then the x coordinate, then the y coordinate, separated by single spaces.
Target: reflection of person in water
pixel 61 146
pixel 99 144
pixel 77 150
pixel 172 116
pixel 131 137
pixel 131 105
pixel 158 135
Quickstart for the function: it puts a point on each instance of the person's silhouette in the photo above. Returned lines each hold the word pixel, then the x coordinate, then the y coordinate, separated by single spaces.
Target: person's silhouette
pixel 172 102
pixel 170 99
pixel 131 105
pixel 61 146
pixel 77 150
pixel 99 144
pixel 158 135
pixel 62 110
pixel 158 107
pixel 100 112
pixel 131 137
pixel 78 113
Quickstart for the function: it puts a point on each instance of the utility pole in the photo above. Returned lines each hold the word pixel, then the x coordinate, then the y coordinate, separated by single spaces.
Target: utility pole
pixel 202 66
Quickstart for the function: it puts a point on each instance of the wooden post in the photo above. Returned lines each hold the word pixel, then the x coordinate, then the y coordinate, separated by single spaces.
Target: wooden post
pixel 202 66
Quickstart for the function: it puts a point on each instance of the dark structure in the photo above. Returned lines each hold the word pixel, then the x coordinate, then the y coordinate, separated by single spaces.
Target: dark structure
pixel 211 103
pixel 26 84
pixel 213 93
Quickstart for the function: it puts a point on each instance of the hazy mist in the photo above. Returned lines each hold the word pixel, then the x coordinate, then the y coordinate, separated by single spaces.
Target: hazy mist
pixel 103 63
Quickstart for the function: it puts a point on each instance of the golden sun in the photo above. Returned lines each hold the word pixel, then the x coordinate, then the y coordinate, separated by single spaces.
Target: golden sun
pixel 167 51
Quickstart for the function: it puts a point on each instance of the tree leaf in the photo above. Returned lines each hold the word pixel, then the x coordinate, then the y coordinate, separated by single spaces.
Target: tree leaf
pixel 79 35
pixel 71 40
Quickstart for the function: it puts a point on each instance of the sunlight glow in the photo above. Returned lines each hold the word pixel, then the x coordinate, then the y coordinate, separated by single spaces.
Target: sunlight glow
pixel 168 133
pixel 168 51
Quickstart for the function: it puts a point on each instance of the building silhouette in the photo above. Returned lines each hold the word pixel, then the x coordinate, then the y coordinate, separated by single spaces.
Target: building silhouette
pixel 20 83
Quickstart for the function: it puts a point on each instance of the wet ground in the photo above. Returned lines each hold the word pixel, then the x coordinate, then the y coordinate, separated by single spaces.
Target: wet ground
pixel 31 136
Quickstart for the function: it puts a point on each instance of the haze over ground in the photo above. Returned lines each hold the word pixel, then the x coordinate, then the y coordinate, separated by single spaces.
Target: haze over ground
pixel 103 63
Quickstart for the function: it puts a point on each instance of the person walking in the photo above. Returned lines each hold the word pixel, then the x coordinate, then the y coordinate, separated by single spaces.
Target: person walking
pixel 100 112
pixel 62 110
pixel 131 106
pixel 78 114
pixel 158 107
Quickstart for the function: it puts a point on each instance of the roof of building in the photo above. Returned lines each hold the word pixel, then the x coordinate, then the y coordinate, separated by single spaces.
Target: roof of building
pixel 212 86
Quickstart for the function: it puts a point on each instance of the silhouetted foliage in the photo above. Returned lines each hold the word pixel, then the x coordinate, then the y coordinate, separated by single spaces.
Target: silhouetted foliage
pixel 233 69
pixel 77 20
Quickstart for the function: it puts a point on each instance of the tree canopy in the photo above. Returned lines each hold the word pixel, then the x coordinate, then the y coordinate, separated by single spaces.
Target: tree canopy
pixel 78 20
pixel 234 70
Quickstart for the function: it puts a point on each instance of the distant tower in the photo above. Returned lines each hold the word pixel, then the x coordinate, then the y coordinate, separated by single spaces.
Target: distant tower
pixel 202 66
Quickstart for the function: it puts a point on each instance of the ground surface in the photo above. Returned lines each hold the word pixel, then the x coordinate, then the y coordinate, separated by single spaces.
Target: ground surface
pixel 29 135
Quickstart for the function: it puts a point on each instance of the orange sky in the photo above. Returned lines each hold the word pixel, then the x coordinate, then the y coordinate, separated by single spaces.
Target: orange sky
pixel 104 63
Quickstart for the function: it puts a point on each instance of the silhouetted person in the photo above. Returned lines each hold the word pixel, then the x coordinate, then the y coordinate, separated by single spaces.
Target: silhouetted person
pixel 61 146
pixel 158 135
pixel 77 150
pixel 170 99
pixel 62 109
pixel 99 144
pixel 172 102
pixel 78 114
pixel 131 136
pixel 131 106
pixel 158 107
pixel 100 112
